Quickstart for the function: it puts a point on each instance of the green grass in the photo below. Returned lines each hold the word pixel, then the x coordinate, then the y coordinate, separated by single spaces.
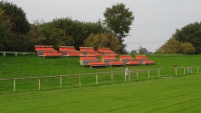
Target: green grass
pixel 171 95
pixel 28 66
pixel 33 66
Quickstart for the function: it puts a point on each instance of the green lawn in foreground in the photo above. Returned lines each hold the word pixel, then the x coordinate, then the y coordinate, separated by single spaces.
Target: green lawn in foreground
pixel 170 95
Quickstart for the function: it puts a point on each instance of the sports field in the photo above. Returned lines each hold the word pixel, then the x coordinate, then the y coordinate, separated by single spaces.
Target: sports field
pixel 169 94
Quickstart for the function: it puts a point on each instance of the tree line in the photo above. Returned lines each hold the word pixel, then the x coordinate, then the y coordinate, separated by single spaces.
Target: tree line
pixel 17 34
pixel 186 40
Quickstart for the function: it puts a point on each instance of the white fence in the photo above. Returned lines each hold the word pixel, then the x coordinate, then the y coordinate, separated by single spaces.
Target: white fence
pixel 16 53
pixel 96 78
pixel 186 70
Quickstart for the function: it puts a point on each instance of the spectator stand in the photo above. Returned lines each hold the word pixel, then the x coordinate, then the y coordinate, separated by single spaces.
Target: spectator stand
pixel 112 61
pixel 128 60
pixel 69 51
pixel 89 51
pixel 106 51
pixel 47 51
pixel 144 60
pixel 92 62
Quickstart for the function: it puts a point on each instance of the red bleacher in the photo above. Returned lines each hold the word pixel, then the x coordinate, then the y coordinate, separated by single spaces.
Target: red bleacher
pixel 69 51
pixel 111 60
pixel 91 61
pixel 106 51
pixel 46 51
pixel 89 51
pixel 52 54
pixel 128 60
pixel 144 60
pixel 44 48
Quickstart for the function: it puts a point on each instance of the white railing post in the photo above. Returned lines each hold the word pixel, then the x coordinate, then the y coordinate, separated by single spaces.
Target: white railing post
pixel 79 80
pixel 4 53
pixel 137 75
pixel 60 81
pixel 184 71
pixel 148 74
pixel 39 87
pixel 125 77
pixel 14 85
pixel 96 78
pixel 175 71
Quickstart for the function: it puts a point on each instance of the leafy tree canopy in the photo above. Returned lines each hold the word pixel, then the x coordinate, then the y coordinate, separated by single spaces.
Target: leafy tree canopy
pixel 13 27
pixel 16 16
pixel 103 40
pixel 65 31
pixel 119 18
pixel 190 33
pixel 173 46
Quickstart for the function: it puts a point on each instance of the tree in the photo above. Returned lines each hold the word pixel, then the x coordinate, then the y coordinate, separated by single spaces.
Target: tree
pixel 65 31
pixel 118 19
pixel 143 50
pixel 14 27
pixel 192 34
pixel 134 52
pixel 173 46
pixel 103 40
pixel 17 16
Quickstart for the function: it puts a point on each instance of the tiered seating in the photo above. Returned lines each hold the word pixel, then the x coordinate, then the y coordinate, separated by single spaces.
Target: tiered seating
pixel 89 51
pixel 111 60
pixel 143 59
pixel 52 54
pixel 91 61
pixel 69 51
pixel 41 49
pixel 106 52
pixel 128 60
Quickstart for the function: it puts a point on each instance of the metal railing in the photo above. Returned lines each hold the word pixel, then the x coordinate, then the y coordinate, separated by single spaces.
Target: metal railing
pixel 78 80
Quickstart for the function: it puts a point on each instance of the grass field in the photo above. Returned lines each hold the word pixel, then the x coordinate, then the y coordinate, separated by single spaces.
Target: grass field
pixel 169 94
pixel 172 95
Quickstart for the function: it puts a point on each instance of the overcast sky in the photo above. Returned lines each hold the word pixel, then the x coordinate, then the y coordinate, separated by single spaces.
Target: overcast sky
pixel 155 20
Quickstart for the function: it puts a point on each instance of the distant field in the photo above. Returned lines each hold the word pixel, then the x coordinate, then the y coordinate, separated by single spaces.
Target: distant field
pixel 170 95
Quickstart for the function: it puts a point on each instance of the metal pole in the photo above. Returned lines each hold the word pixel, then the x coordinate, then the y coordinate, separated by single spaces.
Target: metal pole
pixel 184 71
pixel 39 84
pixel 14 85
pixel 60 81
pixel 175 71
pixel 79 79
pixel 125 77
pixel 148 73
pixel 96 78
pixel 137 75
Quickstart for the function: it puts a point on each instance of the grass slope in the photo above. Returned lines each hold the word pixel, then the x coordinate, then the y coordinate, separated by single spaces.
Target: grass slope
pixel 32 66
pixel 28 66
pixel 172 95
